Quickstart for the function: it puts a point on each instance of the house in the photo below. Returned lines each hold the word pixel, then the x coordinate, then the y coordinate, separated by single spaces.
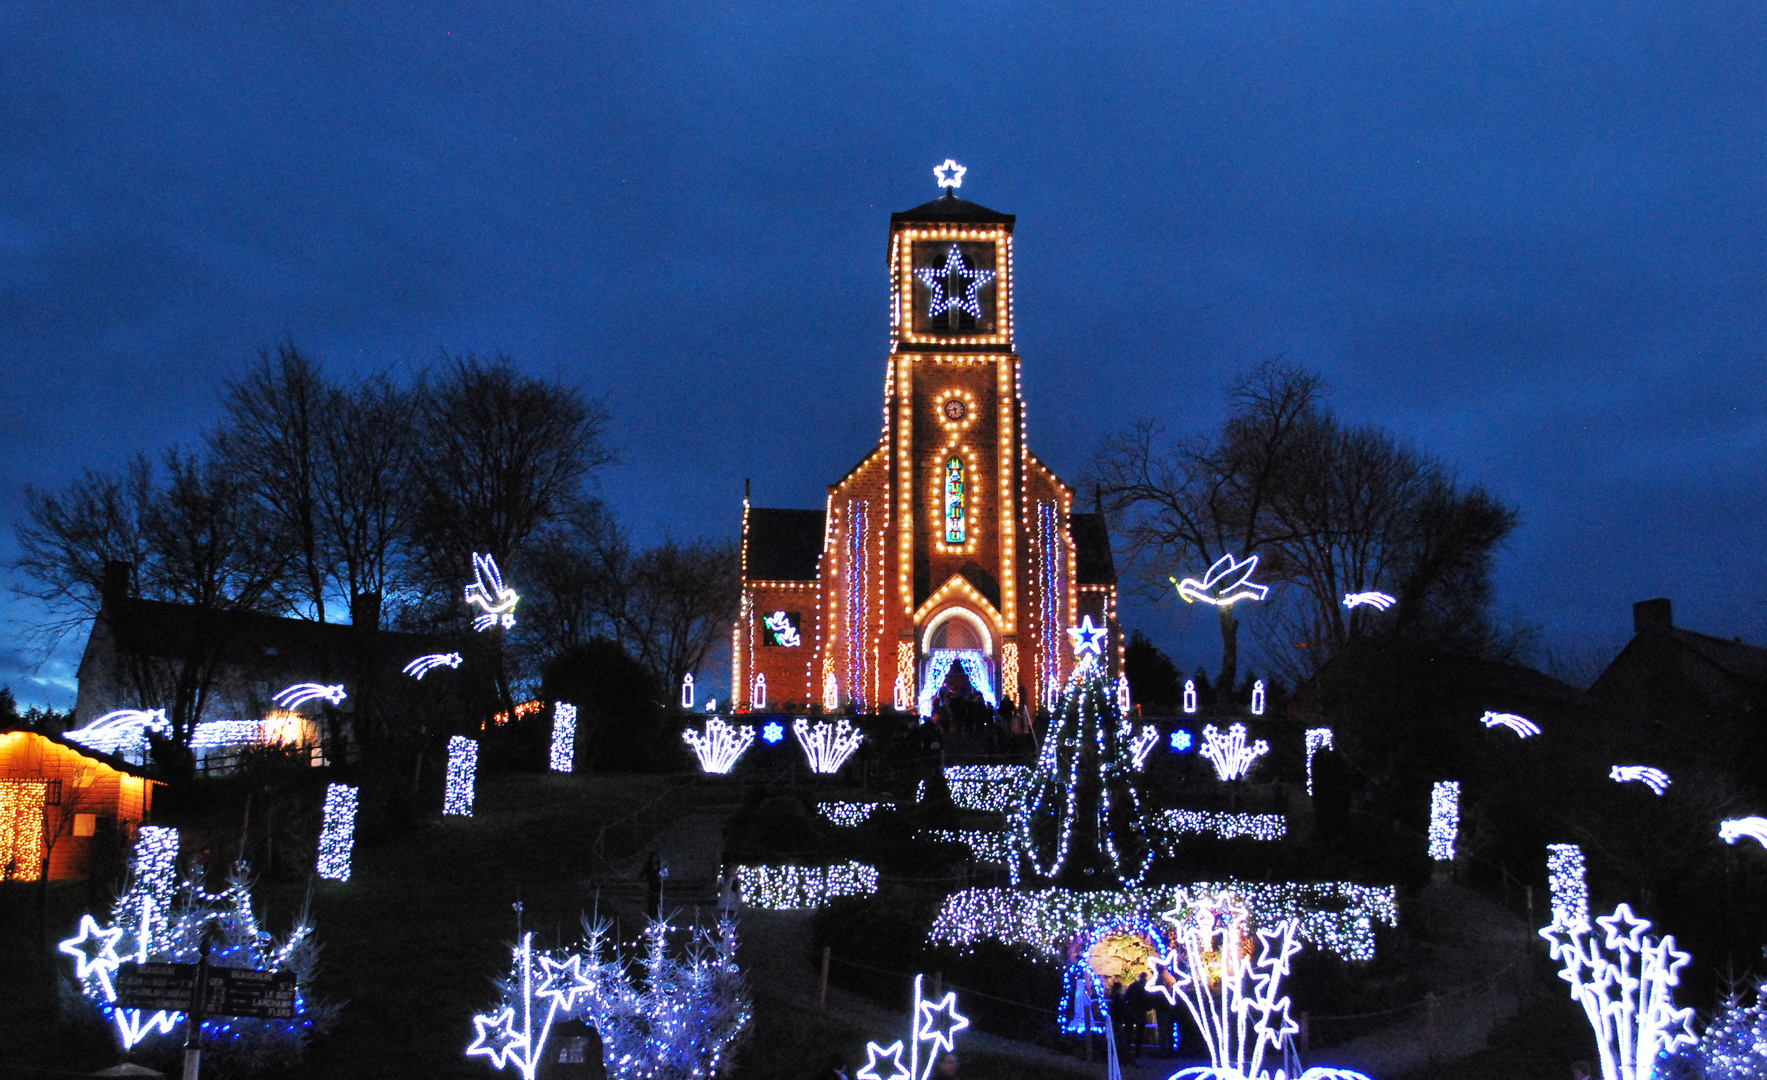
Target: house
pixel 66 804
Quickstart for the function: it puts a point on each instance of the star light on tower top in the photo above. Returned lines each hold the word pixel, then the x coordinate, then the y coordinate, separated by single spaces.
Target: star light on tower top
pixel 950 174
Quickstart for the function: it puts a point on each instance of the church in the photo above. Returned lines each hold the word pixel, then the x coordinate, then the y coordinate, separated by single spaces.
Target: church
pixel 949 555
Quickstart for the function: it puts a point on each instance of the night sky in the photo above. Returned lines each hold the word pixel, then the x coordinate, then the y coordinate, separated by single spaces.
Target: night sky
pixel 1530 237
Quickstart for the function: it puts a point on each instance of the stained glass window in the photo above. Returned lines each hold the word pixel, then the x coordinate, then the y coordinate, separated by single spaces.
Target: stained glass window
pixel 956 527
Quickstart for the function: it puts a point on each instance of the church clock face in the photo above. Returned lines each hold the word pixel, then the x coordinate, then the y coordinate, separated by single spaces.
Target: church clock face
pixel 955 287
pixel 954 409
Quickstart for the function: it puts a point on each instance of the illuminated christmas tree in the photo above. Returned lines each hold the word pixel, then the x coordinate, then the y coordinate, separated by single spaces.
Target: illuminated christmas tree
pixel 1077 815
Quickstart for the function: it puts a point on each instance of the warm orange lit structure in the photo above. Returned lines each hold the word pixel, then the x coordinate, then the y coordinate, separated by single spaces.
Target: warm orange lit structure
pixel 949 548
pixel 63 800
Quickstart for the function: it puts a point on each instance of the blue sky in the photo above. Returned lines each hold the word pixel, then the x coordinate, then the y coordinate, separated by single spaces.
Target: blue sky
pixel 1531 237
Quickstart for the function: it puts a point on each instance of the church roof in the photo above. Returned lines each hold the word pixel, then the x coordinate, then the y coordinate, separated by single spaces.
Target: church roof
pixel 783 545
pixel 952 209
pixel 1092 549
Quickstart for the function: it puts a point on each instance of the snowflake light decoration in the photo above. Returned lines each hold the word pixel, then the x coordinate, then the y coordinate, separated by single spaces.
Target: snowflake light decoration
pixel 562 754
pixel 423 665
pixel 772 731
pixel 720 746
pixel 1226 584
pixel 1521 725
pixel 463 767
pixel 488 593
pixel 1624 980
pixel 826 746
pixel 1655 779
pixel 1379 601
pixel 1180 741
pixel 1755 828
pixel 293 697
pixel 1229 753
pixel 1444 819
pixel 337 836
pixel 1318 739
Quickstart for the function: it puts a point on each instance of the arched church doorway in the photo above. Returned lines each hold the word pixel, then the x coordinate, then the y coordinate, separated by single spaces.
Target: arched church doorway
pixel 957 658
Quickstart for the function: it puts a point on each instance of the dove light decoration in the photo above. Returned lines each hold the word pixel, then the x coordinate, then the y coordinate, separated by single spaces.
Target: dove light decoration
pixel 784 633
pixel 293 697
pixel 1755 828
pixel 488 593
pixel 1226 584
pixel 1229 753
pixel 1379 601
pixel 826 746
pixel 1521 725
pixel 1655 779
pixel 934 1023
pixel 720 746
pixel 1625 980
pixel 423 665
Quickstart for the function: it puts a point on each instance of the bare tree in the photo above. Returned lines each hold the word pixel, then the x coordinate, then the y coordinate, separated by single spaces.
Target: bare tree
pixel 682 597
pixel 368 451
pixel 1188 502
pixel 576 576
pixel 66 538
pixel 272 442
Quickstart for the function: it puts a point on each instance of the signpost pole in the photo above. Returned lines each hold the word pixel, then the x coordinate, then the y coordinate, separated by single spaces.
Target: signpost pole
pixel 193 1018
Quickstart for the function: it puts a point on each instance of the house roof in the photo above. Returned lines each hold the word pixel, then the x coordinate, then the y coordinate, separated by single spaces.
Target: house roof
pixel 1460 674
pixel 783 545
pixel 1734 657
pixel 108 760
pixel 950 208
pixel 1093 563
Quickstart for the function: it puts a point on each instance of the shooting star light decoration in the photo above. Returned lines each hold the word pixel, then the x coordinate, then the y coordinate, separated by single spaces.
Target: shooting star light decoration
pixel 123 732
pixel 490 595
pixel 1380 601
pixel 1521 725
pixel 423 665
pixel 1226 584
pixel 293 697
pixel 1755 828
pixel 1655 779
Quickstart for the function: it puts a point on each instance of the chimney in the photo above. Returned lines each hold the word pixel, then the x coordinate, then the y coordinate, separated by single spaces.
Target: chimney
pixel 116 586
pixel 365 611
pixel 1652 615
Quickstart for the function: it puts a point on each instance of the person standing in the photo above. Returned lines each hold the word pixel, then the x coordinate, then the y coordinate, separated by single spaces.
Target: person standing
pixel 653 885
pixel 1134 1018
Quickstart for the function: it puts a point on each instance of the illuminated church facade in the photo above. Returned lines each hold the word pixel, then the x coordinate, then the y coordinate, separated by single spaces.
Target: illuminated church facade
pixel 949 552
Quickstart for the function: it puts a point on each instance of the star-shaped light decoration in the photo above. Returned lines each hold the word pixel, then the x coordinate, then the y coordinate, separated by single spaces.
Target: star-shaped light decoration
pixel 94 949
pixel 944 282
pixel 876 1054
pixel 1087 638
pixel 497 1038
pixel 940 1023
pixel 563 981
pixel 950 174
pixel 1226 584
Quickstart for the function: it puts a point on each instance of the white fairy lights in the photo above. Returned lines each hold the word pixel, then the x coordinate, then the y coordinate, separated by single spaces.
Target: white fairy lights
pixel 954 285
pixel 1444 819
pixel 783 888
pixel 488 593
pixel 293 697
pixel 1226 826
pixel 984 787
pixel 720 746
pixel 848 815
pixel 1318 739
pixel 337 836
pixel 826 746
pixel 562 755
pixel 986 845
pixel 1567 879
pixel 1337 916
pixel 1755 828
pixel 1521 725
pixel 939 665
pixel 463 766
pixel 1229 753
pixel 423 665
pixel 1625 980
pixel 1655 779
pixel 1226 583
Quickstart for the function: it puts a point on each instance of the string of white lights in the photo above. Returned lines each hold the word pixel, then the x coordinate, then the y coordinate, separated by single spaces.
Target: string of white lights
pixel 848 815
pixel 337 836
pixel 783 888
pixel 987 846
pixel 463 767
pixel 1567 878
pixel 1318 739
pixel 1225 825
pixel 1337 916
pixel 563 754
pixel 1444 819
pixel 984 787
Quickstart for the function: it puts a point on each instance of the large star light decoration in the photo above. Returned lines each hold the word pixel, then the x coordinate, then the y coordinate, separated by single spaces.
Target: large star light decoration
pixel 94 949
pixel 876 1055
pixel 1226 584
pixel 1087 638
pixel 938 278
pixel 498 1039
pixel 563 981
pixel 950 174
pixel 940 1023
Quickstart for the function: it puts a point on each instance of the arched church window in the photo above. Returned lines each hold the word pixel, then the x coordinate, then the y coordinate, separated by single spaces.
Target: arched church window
pixel 956 522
